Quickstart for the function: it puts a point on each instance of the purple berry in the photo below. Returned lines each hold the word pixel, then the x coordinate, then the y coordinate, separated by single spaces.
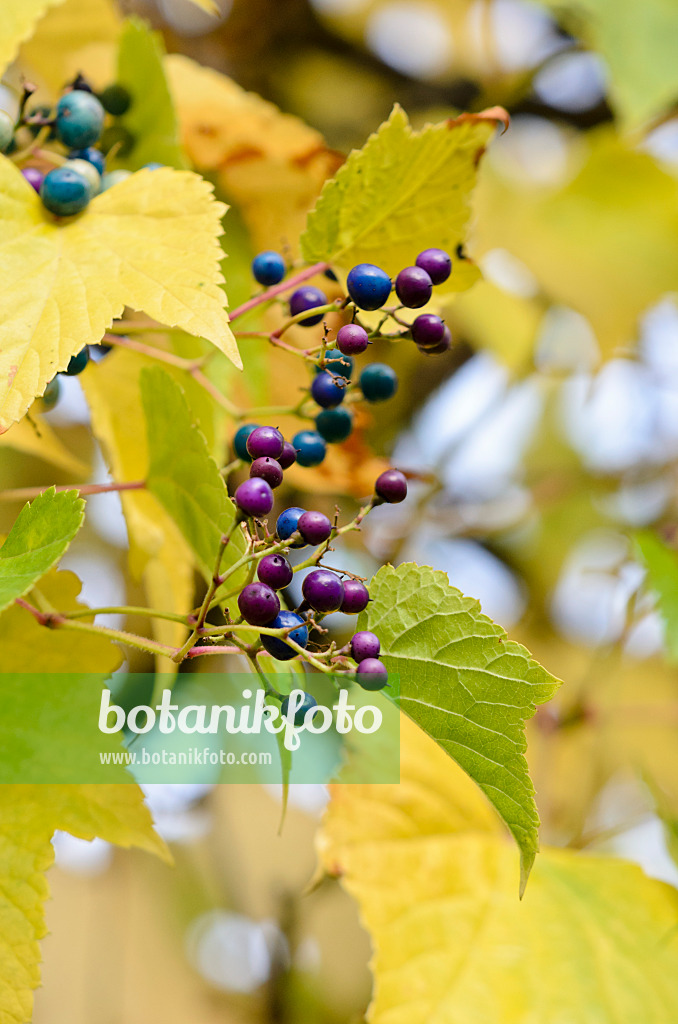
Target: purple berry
pixel 428 330
pixel 413 287
pixel 436 263
pixel 265 442
pixel 323 590
pixel 314 527
pixel 34 177
pixel 352 339
pixel 443 346
pixel 365 645
pixel 356 597
pixel 275 571
pixel 288 457
pixel 391 486
pixel 305 298
pixel 254 497
pixel 268 470
pixel 258 604
pixel 372 674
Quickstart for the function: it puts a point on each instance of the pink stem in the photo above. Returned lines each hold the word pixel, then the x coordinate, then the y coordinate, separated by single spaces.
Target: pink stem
pixel 279 289
pixel 195 652
pixel 26 493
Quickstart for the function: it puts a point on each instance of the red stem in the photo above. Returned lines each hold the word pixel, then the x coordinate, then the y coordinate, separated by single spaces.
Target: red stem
pixel 26 493
pixel 279 289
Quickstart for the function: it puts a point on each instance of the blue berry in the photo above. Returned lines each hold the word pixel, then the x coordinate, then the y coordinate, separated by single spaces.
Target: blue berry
pixel 413 287
pixel 436 263
pixel 310 447
pixel 79 119
pixel 326 390
pixel 77 363
pixel 65 192
pixel 368 286
pixel 268 268
pixel 277 647
pixel 307 297
pixel 115 99
pixel 240 441
pixel 275 571
pixel 307 704
pixel 153 166
pixel 287 524
pixel 378 382
pixel 91 155
pixel 372 674
pixel 334 425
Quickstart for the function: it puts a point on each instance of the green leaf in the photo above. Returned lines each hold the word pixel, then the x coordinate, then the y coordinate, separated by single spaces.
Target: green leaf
pixel 662 578
pixel 639 49
pixel 182 475
pixel 403 191
pixel 36 542
pixel 465 684
pixel 151 118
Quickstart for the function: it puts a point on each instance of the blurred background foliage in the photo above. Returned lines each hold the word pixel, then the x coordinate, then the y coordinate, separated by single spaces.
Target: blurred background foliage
pixel 547 443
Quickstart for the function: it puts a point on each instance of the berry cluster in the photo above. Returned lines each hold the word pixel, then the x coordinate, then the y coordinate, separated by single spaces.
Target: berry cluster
pixel 324 591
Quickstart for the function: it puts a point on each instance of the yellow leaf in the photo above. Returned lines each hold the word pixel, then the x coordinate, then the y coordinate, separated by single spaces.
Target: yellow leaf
pixel 38 439
pixel 270 163
pixel 605 244
pixel 593 941
pixel 500 321
pixel 29 815
pixel 159 555
pixel 206 5
pixel 150 242
pixel 74 36
pixel 18 19
pixel 403 191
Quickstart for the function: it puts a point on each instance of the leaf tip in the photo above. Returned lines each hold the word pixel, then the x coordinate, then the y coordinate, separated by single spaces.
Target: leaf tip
pixel 527 859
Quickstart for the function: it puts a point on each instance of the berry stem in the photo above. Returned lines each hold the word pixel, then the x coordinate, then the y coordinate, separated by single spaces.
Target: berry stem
pixel 153 613
pixel 279 289
pixel 329 307
pixel 26 493
pixel 214 585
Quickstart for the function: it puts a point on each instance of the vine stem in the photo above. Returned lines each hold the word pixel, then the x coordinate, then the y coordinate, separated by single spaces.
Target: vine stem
pixel 214 585
pixel 26 493
pixel 278 289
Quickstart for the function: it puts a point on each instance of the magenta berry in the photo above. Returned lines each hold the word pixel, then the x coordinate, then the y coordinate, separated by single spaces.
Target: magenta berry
pixel 391 486
pixel 275 571
pixel 413 287
pixel 254 497
pixel 365 645
pixel 314 527
pixel 323 590
pixel 372 674
pixel 443 346
pixel 352 339
pixel 356 597
pixel 307 297
pixel 268 470
pixel 265 442
pixel 436 263
pixel 34 177
pixel 428 330
pixel 288 457
pixel 258 604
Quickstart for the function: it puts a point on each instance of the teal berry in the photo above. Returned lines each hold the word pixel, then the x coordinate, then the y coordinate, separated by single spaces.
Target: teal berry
pixel 307 704
pixel 334 425
pixel 6 131
pixel 65 192
pixel 91 155
pixel 337 363
pixel 240 441
pixel 120 137
pixel 50 395
pixel 310 447
pixel 77 363
pixel 115 99
pixel 277 647
pixel 79 119
pixel 378 382
pixel 88 171
pixel 368 286
pixel 153 166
